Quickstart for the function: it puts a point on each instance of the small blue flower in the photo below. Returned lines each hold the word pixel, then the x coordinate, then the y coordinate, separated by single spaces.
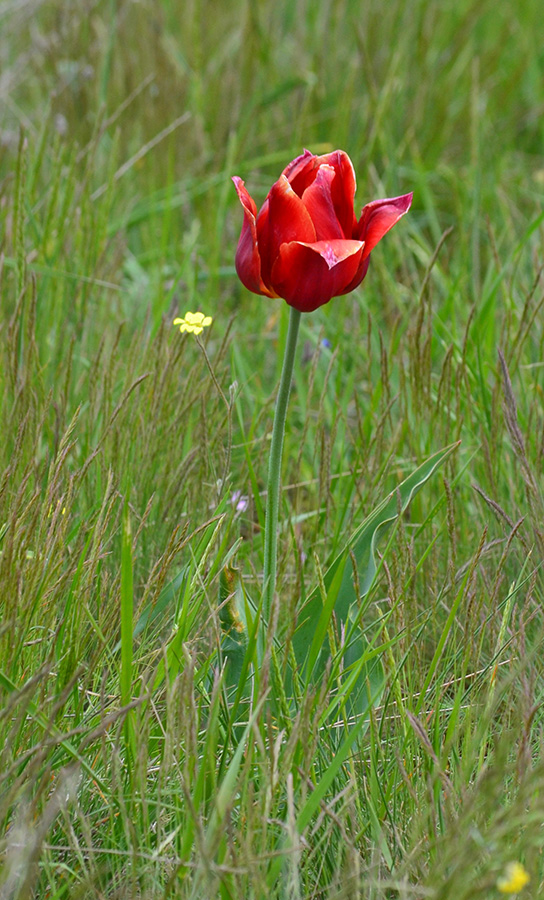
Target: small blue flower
pixel 239 501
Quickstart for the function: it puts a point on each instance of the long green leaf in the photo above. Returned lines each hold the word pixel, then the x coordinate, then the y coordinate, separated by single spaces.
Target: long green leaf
pixel 309 637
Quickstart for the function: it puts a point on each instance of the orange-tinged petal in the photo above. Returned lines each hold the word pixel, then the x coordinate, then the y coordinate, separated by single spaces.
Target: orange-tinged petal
pixel 248 261
pixel 283 218
pixel 307 275
pixel 378 217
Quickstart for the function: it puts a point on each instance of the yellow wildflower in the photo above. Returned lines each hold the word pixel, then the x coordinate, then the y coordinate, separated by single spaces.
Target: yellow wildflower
pixel 194 323
pixel 514 879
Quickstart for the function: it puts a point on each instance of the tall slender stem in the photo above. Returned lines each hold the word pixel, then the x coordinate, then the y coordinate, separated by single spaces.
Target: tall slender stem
pixel 274 467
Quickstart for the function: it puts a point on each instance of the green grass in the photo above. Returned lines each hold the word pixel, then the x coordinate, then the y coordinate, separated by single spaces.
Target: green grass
pixel 129 767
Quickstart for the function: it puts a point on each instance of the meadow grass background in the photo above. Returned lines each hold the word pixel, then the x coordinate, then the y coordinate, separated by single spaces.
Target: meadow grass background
pixel 125 771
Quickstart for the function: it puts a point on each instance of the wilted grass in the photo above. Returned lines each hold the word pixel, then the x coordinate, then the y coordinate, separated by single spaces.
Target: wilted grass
pixel 128 767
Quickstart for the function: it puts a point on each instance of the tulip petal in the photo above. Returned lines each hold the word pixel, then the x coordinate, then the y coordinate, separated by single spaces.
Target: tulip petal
pixel 301 172
pixel 248 261
pixel 378 217
pixel 359 275
pixel 282 219
pixel 317 199
pixel 307 275
pixel 343 189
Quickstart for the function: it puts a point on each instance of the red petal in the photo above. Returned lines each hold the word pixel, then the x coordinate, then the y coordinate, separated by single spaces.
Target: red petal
pixel 283 218
pixel 301 172
pixel 248 262
pixel 307 275
pixel 317 199
pixel 378 217
pixel 343 189
pixel 359 275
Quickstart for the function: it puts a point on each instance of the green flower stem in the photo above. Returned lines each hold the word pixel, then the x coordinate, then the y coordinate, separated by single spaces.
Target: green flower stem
pixel 274 467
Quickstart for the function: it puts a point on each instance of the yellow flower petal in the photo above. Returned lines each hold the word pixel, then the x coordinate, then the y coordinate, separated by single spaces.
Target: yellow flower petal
pixel 514 879
pixel 193 323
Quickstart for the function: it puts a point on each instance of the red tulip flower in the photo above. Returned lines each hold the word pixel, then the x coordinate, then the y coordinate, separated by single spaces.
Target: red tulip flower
pixel 305 244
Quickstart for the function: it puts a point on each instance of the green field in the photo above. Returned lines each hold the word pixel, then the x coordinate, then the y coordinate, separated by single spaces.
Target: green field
pixel 146 750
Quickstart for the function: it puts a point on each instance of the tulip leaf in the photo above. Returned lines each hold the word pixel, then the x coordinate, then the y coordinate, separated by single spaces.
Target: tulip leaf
pixel 356 672
pixel 310 641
